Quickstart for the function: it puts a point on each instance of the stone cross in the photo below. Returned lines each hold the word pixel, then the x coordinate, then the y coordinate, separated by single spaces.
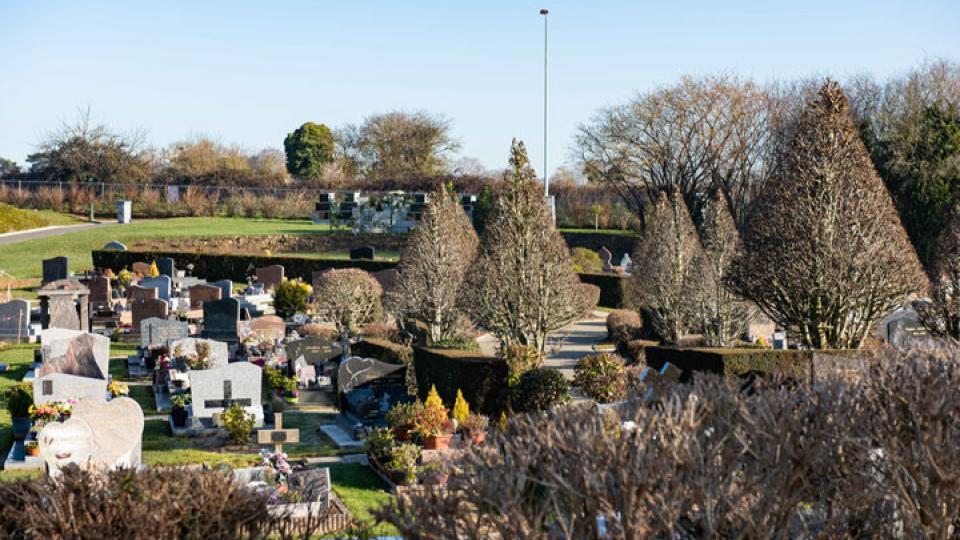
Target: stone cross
pixel 227 400
pixel 278 436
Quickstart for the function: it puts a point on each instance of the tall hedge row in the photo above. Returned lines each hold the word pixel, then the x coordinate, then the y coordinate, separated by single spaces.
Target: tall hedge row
pixel 732 362
pixel 238 267
pixel 482 379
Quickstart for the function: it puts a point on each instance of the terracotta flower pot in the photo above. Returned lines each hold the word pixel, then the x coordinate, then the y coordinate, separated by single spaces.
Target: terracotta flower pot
pixel 437 442
pixel 33 450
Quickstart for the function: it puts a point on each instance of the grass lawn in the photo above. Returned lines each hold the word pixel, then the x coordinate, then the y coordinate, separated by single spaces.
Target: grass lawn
pixel 23 259
pixel 362 492
pixel 19 358
pixel 19 219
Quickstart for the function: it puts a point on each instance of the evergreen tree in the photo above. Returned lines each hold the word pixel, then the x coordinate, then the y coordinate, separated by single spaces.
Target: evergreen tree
pixel 825 253
pixel 522 285
pixel 309 148
pixel 433 265
pixel 941 314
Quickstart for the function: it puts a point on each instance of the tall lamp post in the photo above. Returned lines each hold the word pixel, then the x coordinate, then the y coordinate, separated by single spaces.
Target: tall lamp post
pixel 546 176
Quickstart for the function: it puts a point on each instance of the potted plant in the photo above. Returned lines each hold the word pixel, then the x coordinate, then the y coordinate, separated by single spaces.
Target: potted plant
pixel 434 426
pixel 433 474
pixel 118 389
pixel 32 448
pixel 475 428
pixel 178 411
pixel 402 418
pixel 380 443
pixel 402 466
pixel 19 399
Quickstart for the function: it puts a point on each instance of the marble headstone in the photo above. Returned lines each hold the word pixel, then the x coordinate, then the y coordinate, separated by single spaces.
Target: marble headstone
pixel 213 390
pixel 114 246
pixel 226 287
pixel 141 268
pixel 220 319
pixel 136 292
pixel 162 283
pixel 148 309
pixel 99 290
pixel 99 435
pixel 606 259
pixel 157 331
pixel 271 276
pixel 15 320
pixel 202 293
pixel 85 355
pixel 54 386
pixel 268 326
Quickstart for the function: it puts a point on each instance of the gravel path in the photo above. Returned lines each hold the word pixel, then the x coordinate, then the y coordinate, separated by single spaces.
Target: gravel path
pixel 20 236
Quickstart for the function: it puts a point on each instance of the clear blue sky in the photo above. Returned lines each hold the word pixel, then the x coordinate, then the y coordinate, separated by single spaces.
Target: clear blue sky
pixel 249 72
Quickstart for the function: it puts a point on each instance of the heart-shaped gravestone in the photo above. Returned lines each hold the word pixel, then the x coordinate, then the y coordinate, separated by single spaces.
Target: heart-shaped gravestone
pixel 65 443
pixel 117 427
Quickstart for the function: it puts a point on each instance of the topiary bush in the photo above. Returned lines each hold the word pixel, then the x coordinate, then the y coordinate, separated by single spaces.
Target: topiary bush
pixel 623 325
pixel 602 377
pixel 291 297
pixel 539 389
pixel 586 261
pixel 238 423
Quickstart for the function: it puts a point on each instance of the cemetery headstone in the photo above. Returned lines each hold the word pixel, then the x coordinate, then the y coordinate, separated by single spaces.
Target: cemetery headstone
pixel 904 330
pixel 362 252
pixel 136 292
pixel 55 269
pixel 220 319
pixel 167 267
pixel 268 326
pixel 626 262
pixel 124 212
pixel 15 320
pixel 780 340
pixel 278 436
pixel 219 351
pixel 226 287
pixel 140 268
pixel 85 355
pixel 270 276
pixel 64 304
pixel 202 293
pixel 214 390
pixel 157 331
pixel 163 284
pixel 56 386
pixel 148 309
pixel 114 246
pixel 100 435
pixel 100 290
pixel 359 403
pixel 312 350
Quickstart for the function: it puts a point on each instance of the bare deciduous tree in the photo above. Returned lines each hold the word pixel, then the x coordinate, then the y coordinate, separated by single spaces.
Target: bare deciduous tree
pixel 396 145
pixel 941 314
pixel 692 137
pixel 723 315
pixel 825 254
pixel 348 298
pixel 433 266
pixel 668 268
pixel 522 285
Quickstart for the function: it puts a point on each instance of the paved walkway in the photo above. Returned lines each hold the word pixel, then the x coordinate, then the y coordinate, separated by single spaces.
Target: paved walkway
pixel 565 346
pixel 20 236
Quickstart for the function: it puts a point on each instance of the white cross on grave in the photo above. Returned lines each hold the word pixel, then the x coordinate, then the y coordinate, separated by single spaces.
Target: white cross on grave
pixel 278 436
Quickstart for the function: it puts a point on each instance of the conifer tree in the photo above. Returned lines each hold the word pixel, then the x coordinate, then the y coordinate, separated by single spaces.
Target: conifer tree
pixel 522 285
pixel 433 265
pixel 941 313
pixel 825 254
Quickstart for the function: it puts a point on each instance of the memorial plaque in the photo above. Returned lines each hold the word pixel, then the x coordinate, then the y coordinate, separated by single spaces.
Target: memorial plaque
pixel 157 331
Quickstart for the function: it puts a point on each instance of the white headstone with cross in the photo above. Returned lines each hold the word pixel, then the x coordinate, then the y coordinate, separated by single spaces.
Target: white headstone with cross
pixel 216 389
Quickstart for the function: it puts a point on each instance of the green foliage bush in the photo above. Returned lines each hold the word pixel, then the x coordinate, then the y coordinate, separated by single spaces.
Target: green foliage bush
pixel 586 260
pixel 19 398
pixel 540 389
pixel 612 288
pixel 291 297
pixel 238 423
pixel 732 362
pixel 602 376
pixel 482 379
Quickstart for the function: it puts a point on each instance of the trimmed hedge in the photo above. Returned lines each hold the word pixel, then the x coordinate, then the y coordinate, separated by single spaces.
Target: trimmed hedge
pixel 613 288
pixel 238 267
pixel 235 267
pixel 482 379
pixel 732 362
pixel 381 349
pixel 618 244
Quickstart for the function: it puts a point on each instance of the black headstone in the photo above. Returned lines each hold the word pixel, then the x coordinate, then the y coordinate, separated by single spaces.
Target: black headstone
pixel 55 269
pixel 220 319
pixel 362 252
pixel 167 267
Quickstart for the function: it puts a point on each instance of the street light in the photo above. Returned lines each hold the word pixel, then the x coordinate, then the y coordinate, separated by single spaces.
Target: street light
pixel 546 181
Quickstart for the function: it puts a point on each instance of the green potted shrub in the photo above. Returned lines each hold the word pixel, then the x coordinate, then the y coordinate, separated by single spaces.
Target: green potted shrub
pixel 238 423
pixel 178 409
pixel 402 418
pixel 602 376
pixel 402 466
pixel 539 389
pixel 475 428
pixel 291 297
pixel 380 443
pixel 19 398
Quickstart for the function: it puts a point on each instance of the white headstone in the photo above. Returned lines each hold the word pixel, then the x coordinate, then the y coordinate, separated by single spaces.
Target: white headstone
pixel 213 390
pixel 56 386
pixel 99 435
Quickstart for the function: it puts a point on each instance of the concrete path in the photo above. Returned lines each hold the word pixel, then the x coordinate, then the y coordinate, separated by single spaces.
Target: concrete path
pixel 565 346
pixel 20 236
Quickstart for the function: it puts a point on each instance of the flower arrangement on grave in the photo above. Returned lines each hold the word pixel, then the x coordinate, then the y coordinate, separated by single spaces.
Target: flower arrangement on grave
pixel 117 389
pixel 280 469
pixel 281 384
pixel 433 424
pixel 402 465
pixel 402 418
pixel 180 401
pixel 475 427
pixel 124 278
pixel 52 411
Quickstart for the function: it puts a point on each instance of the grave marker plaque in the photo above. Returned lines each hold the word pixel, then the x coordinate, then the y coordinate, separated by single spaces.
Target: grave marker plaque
pixel 55 269
pixel 157 331
pixel 213 390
